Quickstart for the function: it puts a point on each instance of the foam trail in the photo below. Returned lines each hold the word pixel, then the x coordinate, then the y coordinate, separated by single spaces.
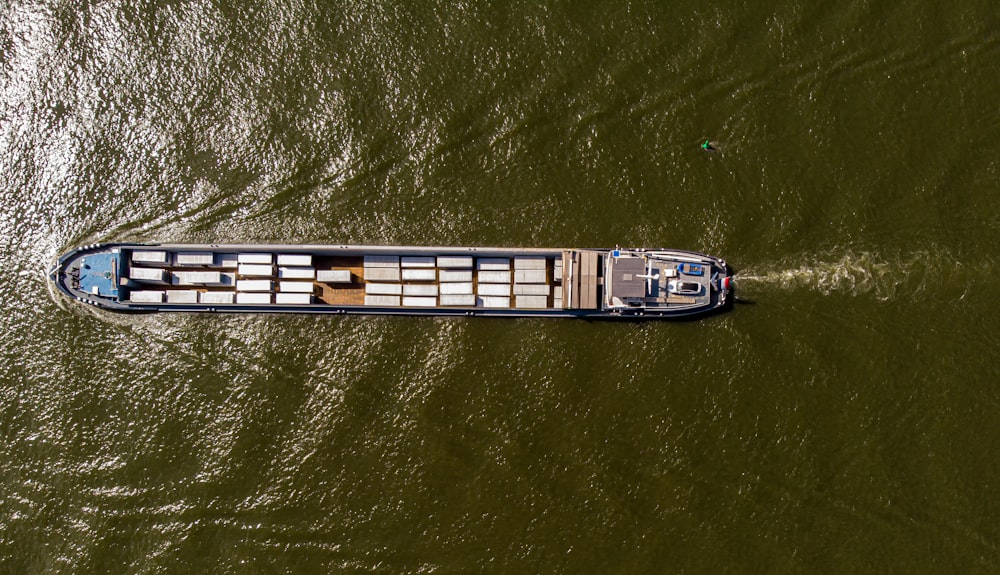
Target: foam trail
pixel 867 273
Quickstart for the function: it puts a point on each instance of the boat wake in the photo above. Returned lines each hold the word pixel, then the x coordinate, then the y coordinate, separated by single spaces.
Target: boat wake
pixel 867 273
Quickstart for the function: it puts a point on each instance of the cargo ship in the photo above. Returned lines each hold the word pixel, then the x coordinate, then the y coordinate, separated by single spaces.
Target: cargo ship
pixel 612 283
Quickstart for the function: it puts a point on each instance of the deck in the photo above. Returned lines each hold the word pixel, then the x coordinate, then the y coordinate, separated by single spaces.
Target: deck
pixel 259 277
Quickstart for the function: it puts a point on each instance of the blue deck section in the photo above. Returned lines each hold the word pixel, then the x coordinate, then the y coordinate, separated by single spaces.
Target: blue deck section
pixel 100 272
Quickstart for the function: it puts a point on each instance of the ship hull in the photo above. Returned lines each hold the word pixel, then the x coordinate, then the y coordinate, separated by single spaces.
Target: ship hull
pixel 394 280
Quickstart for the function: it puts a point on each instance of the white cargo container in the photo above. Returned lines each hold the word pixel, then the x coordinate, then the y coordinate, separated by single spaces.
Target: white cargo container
pixel 227 261
pixel 419 274
pixel 182 296
pixel 297 273
pixel 531 301
pixel 412 301
pixel 334 276
pixel 384 289
pixel 215 297
pixel 256 270
pixel 463 300
pixel 184 278
pixel 445 276
pixel 380 261
pixel 531 289
pixel 195 259
pixel 454 261
pixel 146 296
pixel 492 302
pixel 494 264
pixel 382 300
pixel 296 287
pixel 256 258
pixel 382 274
pixel 152 257
pixel 529 263
pixel 529 276
pixel 420 289
pixel 417 261
pixel 295 259
pixel 253 298
pixel 293 298
pixel 254 285
pixel 494 289
pixel 456 288
pixel 149 275
pixel 494 277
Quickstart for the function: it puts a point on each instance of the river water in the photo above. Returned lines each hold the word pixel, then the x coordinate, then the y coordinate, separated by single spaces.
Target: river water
pixel 844 418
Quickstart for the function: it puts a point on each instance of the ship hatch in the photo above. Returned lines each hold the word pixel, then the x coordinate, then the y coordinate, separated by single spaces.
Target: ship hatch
pixel 625 280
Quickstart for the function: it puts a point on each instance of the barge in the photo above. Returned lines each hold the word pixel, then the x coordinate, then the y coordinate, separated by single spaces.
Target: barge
pixel 403 280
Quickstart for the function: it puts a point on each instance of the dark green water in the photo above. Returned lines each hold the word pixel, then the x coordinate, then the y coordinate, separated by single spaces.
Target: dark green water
pixel 847 421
